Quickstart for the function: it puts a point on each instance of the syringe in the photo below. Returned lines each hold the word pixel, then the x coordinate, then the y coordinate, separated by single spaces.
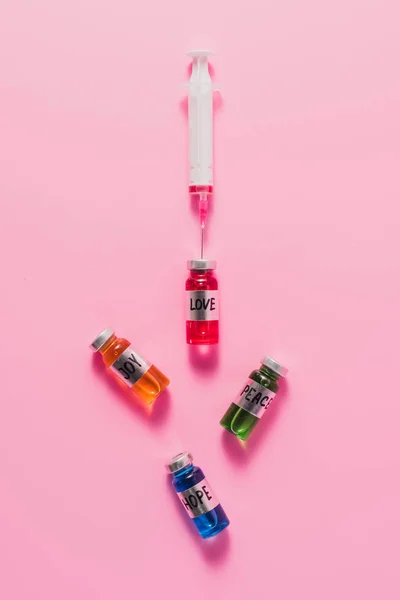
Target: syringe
pixel 200 108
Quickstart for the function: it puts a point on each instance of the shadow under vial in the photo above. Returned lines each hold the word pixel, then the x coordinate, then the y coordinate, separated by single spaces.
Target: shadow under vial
pixel 214 550
pixel 204 358
pixel 240 452
pixel 154 415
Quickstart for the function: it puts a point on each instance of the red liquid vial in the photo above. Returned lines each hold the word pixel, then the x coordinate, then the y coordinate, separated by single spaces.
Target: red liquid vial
pixel 202 303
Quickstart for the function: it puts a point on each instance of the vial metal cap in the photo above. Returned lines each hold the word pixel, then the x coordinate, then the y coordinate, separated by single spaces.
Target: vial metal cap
pixel 101 339
pixel 178 462
pixel 274 366
pixel 201 264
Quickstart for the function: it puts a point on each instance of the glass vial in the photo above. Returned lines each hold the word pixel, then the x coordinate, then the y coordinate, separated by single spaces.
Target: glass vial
pixel 202 303
pixel 196 495
pixel 118 355
pixel 256 395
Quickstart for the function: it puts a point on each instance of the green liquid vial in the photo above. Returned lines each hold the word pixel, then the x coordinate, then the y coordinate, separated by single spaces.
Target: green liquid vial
pixel 255 397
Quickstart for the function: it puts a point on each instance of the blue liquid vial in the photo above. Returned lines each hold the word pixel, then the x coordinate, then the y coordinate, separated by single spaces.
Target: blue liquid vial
pixel 196 496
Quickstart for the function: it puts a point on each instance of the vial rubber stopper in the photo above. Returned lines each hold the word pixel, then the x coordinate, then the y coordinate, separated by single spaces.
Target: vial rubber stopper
pixel 275 366
pixel 179 461
pixel 101 339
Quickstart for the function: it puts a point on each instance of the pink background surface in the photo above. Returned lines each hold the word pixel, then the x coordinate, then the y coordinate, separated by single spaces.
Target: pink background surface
pixel 96 228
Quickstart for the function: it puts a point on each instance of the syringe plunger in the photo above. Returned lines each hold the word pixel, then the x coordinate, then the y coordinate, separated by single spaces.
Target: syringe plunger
pixel 200 109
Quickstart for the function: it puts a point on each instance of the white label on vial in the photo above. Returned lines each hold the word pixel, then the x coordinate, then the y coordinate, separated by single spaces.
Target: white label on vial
pixel 130 367
pixel 202 305
pixel 199 499
pixel 254 398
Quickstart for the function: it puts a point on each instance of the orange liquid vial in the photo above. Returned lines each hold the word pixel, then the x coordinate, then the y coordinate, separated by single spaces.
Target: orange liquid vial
pixel 145 380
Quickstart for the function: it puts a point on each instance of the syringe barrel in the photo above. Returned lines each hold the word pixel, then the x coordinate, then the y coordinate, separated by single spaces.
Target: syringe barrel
pixel 200 108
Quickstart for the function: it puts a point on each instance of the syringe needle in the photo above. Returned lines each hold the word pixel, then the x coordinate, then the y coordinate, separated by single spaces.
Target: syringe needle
pixel 203 206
